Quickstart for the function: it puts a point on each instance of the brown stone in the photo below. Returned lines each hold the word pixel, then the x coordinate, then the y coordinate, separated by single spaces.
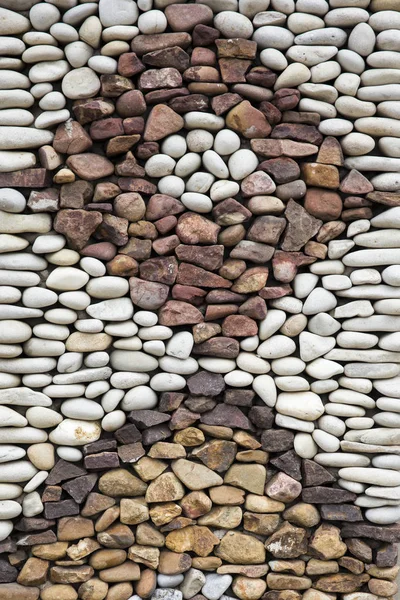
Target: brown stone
pixel 129 64
pixel 90 166
pixel 14 591
pixel 161 122
pixel 193 228
pixel 301 227
pixel 326 543
pixel 297 133
pixel 271 148
pixel 173 563
pixel 77 225
pixel 287 542
pixel 343 583
pixel 323 205
pixel 34 572
pixel 26 178
pixel 74 528
pixel 147 294
pixel 239 548
pixel 92 109
pixel 179 313
pixel 319 175
pixel 248 121
pixel 330 152
pixel 71 138
pixel 355 183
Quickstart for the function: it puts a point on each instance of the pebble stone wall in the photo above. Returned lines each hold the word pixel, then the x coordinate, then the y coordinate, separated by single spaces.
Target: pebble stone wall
pixel 199 299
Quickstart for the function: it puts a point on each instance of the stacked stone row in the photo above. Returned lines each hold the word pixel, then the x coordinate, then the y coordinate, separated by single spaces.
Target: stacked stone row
pixel 195 399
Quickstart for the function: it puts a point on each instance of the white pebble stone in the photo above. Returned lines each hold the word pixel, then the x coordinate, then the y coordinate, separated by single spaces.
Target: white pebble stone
pixel 138 398
pixel 172 186
pixel 304 445
pixel 43 16
pixel 113 420
pixel 71 432
pixel 199 140
pixel 151 22
pixel 174 145
pixel 273 59
pixel 69 454
pixel 226 142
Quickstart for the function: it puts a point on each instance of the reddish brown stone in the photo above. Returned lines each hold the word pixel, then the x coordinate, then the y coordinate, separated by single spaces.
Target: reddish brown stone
pixel 113 229
pixel 275 148
pixel 106 128
pixel 248 121
pixel 114 85
pixel 272 113
pixel 275 291
pixel 186 17
pixel 285 264
pixel 146 150
pixel 298 133
pixel 162 121
pixel 230 212
pixel 356 183
pixel 162 270
pixel 142 44
pixel 208 257
pixel 129 167
pixel 255 308
pixel 129 64
pixel 252 280
pixel 223 347
pixel 90 166
pixel 166 224
pixel 43 200
pixel 170 57
pixel 221 104
pixel 202 73
pixel 236 48
pixel 92 109
pixel 302 226
pixel 147 294
pixel 77 225
pixel 189 274
pixel 131 104
pixel 188 293
pixel 266 229
pixel 154 79
pixel 71 138
pixel 26 178
pixel 233 70
pixel 137 248
pixel 179 313
pixel 165 245
pixel 166 95
pixel 323 204
pixel 193 228
pixel 136 184
pixel 188 103
pixel 282 170
pixel 133 125
pixel 239 326
pixel 76 194
pixel 122 266
pixel 203 35
pixel 102 250
pixel 330 152
pixel 261 76
pixel 286 99
pixel 203 56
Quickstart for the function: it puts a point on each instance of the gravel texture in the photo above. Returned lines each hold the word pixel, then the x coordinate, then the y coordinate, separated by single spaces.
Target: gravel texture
pixel 199 299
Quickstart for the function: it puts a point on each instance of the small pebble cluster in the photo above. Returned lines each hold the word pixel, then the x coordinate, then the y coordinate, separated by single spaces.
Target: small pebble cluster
pixel 199 299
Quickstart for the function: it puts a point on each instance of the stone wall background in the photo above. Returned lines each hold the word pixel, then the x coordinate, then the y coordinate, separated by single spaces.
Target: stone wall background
pixel 199 347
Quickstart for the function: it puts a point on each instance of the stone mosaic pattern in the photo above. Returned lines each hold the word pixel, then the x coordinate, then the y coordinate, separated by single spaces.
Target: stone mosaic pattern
pixel 199 299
